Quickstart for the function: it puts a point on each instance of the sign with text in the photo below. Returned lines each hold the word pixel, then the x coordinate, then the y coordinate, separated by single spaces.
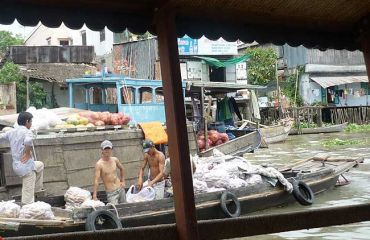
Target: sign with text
pixel 204 46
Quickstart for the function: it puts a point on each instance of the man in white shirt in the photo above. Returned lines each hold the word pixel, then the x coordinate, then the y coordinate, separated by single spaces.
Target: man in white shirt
pixel 24 165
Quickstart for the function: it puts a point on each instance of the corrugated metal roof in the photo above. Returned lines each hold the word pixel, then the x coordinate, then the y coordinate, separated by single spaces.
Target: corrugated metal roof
pixel 333 81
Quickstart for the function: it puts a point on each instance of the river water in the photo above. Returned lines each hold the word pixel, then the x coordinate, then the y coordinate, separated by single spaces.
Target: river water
pixel 358 191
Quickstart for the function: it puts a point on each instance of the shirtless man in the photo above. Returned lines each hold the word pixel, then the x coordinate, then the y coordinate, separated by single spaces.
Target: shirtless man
pixel 106 168
pixel 155 160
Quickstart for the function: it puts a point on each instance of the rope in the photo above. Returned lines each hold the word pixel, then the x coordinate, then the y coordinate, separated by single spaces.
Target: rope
pixel 114 206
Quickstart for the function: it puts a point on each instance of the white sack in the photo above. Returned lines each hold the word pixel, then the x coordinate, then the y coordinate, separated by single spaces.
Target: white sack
pixel 199 186
pixel 75 196
pixel 92 204
pixel 9 209
pixel 145 194
pixel 37 210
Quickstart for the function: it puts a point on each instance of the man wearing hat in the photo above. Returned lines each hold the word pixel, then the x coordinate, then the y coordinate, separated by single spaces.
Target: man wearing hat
pixel 155 160
pixel 106 169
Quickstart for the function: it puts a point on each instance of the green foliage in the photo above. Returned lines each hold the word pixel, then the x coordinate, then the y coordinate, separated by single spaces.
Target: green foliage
pixel 339 142
pixel 7 39
pixel 318 103
pixel 288 87
pixel 144 36
pixel 262 65
pixel 10 73
pixel 358 128
pixel 305 125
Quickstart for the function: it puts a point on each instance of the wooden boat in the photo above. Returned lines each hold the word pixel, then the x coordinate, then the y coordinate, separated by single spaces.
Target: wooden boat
pixel 326 129
pixel 238 146
pixel 320 174
pixel 272 134
pixel 277 133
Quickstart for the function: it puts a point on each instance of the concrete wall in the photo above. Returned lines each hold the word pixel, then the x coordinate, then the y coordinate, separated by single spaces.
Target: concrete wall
pixel 307 90
pixel 103 49
pixel 61 94
pixel 70 159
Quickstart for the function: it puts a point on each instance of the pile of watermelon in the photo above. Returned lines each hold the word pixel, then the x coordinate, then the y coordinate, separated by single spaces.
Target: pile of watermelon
pixel 214 138
pixel 105 118
pixel 92 119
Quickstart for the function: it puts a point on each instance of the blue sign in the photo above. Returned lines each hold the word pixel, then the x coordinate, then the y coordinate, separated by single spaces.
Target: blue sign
pixel 187 46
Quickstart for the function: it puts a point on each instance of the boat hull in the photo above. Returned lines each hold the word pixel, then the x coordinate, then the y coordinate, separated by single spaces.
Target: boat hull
pixel 328 129
pixel 314 172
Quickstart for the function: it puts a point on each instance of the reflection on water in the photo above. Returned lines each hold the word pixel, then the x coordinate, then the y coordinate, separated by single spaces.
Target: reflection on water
pixel 304 146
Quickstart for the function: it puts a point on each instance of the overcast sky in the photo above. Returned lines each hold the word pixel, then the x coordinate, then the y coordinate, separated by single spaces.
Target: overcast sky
pixel 16 28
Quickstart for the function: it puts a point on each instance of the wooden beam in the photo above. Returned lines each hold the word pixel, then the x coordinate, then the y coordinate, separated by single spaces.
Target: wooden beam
pixel 365 43
pixel 181 176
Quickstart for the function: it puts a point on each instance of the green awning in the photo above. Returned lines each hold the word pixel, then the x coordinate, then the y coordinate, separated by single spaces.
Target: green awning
pixel 217 63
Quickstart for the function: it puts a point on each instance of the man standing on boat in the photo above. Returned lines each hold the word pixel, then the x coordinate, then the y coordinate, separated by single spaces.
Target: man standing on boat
pixel 155 160
pixel 106 168
pixel 24 165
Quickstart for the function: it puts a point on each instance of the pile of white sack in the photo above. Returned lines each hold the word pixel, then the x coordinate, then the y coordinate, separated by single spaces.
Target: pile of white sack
pixel 220 172
pixel 9 209
pixel 37 210
pixel 43 118
pixel 90 203
pixel 75 196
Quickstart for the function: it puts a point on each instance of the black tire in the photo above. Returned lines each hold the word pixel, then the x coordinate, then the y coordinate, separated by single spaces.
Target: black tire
pixel 110 221
pixel 303 193
pixel 224 197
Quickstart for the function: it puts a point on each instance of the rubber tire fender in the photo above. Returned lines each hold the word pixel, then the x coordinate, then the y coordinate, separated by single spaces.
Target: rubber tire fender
pixel 228 195
pixel 303 193
pixel 109 216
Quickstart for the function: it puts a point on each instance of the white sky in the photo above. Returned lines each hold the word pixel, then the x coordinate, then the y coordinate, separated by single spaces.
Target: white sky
pixel 16 28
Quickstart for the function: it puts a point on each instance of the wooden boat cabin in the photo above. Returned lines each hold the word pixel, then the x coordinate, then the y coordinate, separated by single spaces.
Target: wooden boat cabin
pixel 141 99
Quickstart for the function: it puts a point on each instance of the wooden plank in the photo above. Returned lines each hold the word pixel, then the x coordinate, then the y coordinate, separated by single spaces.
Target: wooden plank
pixel 186 222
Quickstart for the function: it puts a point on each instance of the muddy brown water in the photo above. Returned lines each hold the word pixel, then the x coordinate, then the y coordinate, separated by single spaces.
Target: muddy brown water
pixel 358 191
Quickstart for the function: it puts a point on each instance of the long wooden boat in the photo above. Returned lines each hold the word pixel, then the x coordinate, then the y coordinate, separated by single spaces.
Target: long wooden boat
pixel 320 174
pixel 326 129
pixel 277 133
pixel 238 146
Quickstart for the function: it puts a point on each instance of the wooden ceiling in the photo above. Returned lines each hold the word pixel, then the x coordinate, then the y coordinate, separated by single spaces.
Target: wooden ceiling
pixel 314 23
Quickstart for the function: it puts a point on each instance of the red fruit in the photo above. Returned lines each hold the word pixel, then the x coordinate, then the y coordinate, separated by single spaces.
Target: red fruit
pixel 99 123
pixel 201 143
pixel 218 142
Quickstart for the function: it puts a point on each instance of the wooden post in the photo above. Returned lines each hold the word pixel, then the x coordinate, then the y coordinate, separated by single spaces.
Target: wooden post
pixel 296 88
pixel 205 121
pixel 28 91
pixel 182 181
pixel 319 117
pixel 365 44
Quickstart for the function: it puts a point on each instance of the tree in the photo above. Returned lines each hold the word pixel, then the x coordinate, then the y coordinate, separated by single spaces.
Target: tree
pixel 289 87
pixel 261 65
pixel 7 39
pixel 10 72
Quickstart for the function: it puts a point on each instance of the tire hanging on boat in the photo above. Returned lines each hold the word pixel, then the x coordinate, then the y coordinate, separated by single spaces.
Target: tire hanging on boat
pixel 224 198
pixel 303 193
pixel 110 221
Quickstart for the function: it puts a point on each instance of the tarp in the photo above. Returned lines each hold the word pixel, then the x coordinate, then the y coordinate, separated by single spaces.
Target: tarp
pixel 155 132
pixel 333 81
pixel 217 63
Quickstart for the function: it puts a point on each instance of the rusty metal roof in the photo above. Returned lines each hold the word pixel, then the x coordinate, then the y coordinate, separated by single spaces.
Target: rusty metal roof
pixel 340 80
pixel 55 72
pixel 315 23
